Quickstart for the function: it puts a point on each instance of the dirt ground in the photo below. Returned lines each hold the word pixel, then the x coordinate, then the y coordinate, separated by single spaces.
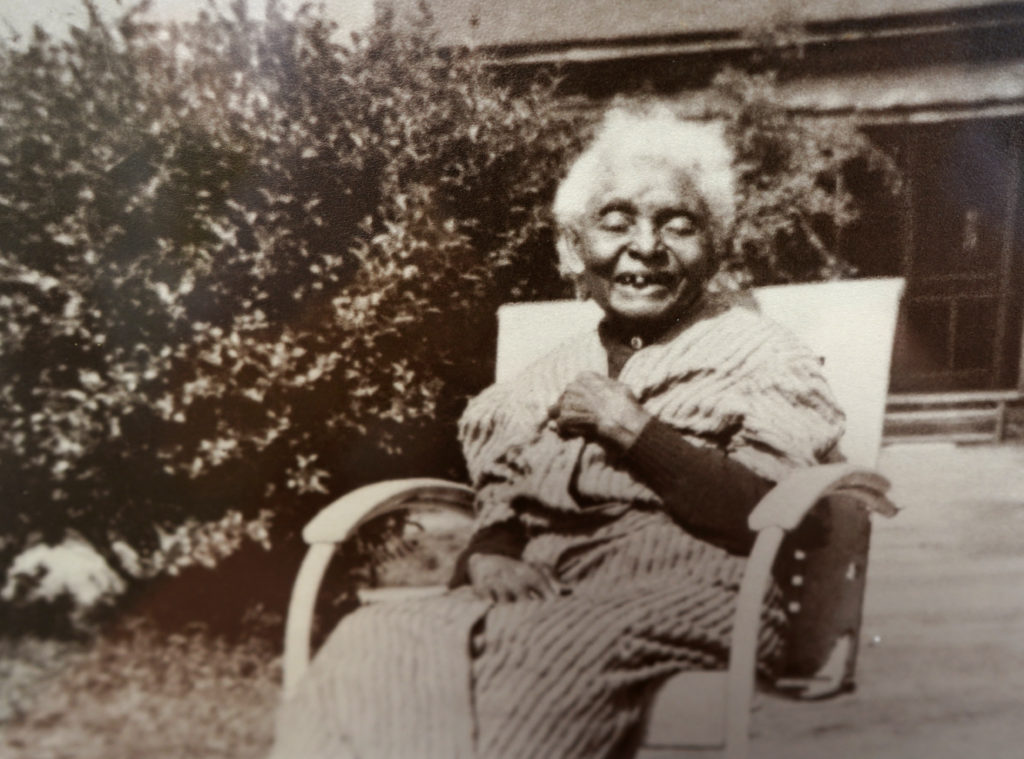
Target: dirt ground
pixel 941 668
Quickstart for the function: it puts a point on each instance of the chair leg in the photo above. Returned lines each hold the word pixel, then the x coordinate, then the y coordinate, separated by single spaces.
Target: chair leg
pixel 299 624
pixel 743 653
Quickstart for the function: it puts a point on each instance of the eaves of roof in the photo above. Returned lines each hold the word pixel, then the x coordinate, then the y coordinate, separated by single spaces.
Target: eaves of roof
pixel 537 31
pixel 929 93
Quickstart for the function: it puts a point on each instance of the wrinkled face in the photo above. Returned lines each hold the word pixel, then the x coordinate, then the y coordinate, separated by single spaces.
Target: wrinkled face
pixel 643 244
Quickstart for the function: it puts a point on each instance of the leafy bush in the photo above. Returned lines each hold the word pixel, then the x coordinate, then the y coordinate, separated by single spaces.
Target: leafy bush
pixel 244 266
pixel 801 183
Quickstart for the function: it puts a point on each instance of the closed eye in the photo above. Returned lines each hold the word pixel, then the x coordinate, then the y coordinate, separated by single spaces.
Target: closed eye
pixel 615 221
pixel 680 225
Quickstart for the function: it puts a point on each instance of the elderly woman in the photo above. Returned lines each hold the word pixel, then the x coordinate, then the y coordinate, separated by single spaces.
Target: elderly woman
pixel 614 479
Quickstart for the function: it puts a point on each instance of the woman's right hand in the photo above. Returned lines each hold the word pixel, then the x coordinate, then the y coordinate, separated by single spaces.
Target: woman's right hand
pixel 501 578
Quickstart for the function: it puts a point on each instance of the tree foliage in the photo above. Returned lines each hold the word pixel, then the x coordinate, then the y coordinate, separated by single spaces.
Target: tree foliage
pixel 244 265
pixel 801 182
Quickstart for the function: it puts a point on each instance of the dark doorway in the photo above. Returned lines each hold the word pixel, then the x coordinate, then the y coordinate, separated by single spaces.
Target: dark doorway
pixel 960 251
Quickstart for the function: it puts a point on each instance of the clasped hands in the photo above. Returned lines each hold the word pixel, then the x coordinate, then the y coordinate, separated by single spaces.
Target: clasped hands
pixel 600 409
pixel 596 408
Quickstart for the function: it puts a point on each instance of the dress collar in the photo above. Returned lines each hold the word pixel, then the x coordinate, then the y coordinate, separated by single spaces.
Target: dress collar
pixel 637 338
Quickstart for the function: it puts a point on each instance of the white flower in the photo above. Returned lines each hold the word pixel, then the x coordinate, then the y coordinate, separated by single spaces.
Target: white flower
pixel 72 568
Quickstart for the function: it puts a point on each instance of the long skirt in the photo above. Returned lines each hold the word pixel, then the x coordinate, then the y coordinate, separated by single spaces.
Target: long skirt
pixel 456 677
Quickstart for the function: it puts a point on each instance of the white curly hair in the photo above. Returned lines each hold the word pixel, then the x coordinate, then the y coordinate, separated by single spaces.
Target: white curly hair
pixel 650 131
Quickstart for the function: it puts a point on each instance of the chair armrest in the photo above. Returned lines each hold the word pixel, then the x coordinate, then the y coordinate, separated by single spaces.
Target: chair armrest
pixel 788 502
pixel 339 519
pixel 780 511
pixel 333 524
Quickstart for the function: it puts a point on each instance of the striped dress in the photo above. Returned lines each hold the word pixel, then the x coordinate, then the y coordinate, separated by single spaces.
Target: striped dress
pixel 455 676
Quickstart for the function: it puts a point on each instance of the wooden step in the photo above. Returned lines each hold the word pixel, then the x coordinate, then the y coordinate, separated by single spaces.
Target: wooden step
pixel 963 417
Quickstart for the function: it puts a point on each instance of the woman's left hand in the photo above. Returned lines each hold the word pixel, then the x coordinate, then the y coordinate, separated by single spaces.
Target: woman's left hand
pixel 598 408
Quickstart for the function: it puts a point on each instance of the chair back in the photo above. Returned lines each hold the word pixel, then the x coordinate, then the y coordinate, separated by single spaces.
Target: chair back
pixel 849 323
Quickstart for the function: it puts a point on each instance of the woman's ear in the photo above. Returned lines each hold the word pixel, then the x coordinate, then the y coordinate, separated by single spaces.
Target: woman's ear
pixel 569 260
pixel 570 263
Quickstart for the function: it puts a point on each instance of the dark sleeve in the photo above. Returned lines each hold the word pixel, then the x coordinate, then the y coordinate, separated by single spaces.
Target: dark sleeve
pixel 502 538
pixel 703 489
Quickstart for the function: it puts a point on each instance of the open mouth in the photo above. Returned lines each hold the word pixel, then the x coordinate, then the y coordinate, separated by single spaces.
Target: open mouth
pixel 643 281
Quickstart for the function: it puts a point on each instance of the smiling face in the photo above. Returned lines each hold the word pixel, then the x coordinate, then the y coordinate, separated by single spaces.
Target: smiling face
pixel 642 243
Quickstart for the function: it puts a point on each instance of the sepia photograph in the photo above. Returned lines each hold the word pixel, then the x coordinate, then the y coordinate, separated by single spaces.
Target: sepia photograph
pixel 506 379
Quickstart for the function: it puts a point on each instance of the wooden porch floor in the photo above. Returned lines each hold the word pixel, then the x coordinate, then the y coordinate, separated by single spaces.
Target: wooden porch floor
pixel 941 669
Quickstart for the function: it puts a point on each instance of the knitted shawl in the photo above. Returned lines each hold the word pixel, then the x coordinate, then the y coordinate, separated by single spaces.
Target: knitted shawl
pixel 729 377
